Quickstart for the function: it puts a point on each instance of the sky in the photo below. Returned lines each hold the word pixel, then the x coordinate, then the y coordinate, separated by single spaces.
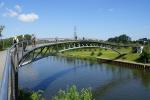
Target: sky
pixel 99 19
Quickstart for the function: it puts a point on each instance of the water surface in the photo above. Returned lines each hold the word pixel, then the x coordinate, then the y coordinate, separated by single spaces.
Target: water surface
pixel 108 82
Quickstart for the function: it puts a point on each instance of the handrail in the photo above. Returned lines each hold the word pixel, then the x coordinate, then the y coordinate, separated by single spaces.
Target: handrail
pixel 6 91
pixel 4 84
pixel 9 84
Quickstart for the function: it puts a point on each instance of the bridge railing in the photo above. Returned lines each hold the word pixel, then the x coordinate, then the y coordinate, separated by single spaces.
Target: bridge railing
pixel 9 84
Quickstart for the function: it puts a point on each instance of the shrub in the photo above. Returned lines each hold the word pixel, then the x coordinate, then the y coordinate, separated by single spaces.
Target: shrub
pixel 92 53
pixel 145 56
pixel 1 48
pixel 70 94
pixel 99 54
pixel 25 95
pixel 73 94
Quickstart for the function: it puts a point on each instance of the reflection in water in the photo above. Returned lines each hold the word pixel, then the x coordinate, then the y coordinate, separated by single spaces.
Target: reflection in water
pixel 101 90
pixel 108 82
pixel 44 84
pixel 143 75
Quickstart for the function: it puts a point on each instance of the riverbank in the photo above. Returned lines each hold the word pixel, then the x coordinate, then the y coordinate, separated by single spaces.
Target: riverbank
pixel 127 58
pixel 125 63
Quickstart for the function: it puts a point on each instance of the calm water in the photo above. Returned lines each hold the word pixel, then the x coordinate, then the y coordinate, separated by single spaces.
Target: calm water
pixel 108 82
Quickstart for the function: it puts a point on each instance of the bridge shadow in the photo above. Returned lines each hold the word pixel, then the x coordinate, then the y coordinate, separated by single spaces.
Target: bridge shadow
pixel 120 56
pixel 45 83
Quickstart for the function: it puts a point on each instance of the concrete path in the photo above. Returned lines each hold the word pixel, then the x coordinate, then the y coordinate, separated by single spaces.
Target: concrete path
pixel 2 63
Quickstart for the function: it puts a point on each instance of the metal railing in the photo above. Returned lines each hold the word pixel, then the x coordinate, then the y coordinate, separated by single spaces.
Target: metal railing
pixel 9 84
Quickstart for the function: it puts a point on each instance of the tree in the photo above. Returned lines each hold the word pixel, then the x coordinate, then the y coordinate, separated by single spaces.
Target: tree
pixel 27 36
pixel 1 29
pixel 145 56
pixel 144 41
pixel 120 39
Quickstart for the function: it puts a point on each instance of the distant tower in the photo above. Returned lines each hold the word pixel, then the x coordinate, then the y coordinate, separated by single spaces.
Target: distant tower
pixel 75 33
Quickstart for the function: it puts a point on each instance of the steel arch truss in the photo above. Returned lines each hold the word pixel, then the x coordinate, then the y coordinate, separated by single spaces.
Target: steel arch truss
pixel 53 48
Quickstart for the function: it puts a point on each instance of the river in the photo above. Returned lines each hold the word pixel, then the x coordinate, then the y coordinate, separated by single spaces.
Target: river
pixel 108 82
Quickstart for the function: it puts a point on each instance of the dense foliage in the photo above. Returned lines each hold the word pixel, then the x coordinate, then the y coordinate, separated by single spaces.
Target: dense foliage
pixel 1 41
pixel 70 94
pixel 145 56
pixel 120 39
pixel 143 41
pixel 73 94
pixel 5 43
pixel 30 95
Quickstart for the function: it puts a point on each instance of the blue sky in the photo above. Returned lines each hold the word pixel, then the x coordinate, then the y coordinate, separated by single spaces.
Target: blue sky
pixel 93 18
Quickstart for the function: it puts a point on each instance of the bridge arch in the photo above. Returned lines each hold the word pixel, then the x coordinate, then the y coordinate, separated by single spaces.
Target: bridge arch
pixel 50 48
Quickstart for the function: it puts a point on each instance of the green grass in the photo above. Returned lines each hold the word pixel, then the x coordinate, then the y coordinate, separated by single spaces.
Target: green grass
pixel 131 57
pixel 108 54
pixel 125 50
pixel 86 52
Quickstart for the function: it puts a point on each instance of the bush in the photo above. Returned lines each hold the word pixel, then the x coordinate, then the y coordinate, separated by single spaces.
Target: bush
pixel 99 54
pixel 24 95
pixel 73 94
pixel 92 53
pixel 70 94
pixel 145 56
pixel 1 47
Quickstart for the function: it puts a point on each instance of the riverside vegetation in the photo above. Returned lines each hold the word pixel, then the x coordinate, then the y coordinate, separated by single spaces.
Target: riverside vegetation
pixel 96 53
pixel 71 93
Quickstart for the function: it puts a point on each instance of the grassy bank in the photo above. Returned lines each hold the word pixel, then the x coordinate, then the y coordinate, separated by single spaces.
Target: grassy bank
pixel 94 53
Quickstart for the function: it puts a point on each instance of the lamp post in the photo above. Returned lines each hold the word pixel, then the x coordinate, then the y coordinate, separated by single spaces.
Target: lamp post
pixel 1 29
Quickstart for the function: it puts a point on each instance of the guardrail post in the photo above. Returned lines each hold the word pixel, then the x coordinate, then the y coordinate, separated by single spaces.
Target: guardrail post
pixel 16 85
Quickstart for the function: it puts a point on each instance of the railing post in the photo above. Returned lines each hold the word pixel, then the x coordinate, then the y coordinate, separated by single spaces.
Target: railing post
pixel 22 48
pixel 16 84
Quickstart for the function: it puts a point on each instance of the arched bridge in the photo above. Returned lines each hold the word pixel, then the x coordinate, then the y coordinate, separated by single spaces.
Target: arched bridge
pixel 16 57
pixel 57 47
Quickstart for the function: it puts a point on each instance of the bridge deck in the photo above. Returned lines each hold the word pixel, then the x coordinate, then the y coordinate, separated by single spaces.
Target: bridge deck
pixel 2 62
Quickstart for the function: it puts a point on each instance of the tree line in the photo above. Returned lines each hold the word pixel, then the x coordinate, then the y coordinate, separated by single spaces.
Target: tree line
pixel 128 40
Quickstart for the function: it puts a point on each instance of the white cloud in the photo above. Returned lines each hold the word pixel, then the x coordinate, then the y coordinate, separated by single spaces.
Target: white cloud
pixel 30 17
pixel 18 8
pixel 2 4
pixel 10 13
pixel 17 13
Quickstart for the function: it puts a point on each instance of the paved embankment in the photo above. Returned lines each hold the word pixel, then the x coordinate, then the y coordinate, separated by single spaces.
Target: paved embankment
pixel 125 63
pixel 2 63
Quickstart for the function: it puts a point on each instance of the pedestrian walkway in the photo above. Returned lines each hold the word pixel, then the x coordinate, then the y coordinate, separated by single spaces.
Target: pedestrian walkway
pixel 2 63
